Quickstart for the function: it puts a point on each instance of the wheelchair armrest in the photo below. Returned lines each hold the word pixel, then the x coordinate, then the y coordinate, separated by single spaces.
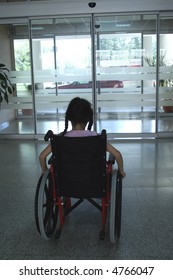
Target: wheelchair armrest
pixel 48 135
pixel 103 133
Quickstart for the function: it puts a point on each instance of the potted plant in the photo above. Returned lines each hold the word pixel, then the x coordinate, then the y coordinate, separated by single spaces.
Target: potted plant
pixel 6 87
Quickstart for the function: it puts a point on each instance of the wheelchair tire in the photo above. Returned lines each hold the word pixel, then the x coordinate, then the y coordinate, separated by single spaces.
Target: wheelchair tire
pixel 36 203
pixel 115 207
pixel 47 213
pixel 118 205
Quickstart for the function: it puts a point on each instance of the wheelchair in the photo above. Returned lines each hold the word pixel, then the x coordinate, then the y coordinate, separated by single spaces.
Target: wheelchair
pixel 79 170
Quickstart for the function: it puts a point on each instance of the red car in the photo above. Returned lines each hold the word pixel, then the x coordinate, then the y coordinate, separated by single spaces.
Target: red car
pixel 100 84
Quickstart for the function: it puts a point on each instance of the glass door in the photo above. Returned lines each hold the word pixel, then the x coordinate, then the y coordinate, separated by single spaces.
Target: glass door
pixel 120 63
pixel 16 116
pixel 126 93
pixel 62 67
pixel 165 80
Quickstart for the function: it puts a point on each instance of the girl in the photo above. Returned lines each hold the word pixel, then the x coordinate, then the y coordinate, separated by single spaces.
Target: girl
pixel 80 113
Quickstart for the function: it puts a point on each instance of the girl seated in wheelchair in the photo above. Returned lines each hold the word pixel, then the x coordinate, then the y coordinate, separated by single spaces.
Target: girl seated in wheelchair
pixel 80 113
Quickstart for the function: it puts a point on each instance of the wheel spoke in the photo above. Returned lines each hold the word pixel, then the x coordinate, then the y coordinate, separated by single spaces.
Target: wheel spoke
pixel 47 210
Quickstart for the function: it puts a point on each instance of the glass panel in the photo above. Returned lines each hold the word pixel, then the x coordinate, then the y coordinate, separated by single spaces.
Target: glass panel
pixel 17 116
pixel 166 75
pixel 126 95
pixel 23 74
pixel 62 67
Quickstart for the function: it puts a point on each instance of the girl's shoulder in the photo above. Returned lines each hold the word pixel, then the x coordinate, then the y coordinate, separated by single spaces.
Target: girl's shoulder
pixel 80 133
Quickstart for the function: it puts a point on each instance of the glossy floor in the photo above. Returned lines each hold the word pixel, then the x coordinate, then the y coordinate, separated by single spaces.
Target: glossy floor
pixel 147 222
pixel 115 125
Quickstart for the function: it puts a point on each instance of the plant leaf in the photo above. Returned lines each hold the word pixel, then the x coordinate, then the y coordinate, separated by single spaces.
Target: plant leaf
pixel 10 90
pixel 6 87
pixel 6 97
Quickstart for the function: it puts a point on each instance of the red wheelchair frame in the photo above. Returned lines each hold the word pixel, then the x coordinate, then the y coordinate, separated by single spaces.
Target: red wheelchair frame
pixel 51 205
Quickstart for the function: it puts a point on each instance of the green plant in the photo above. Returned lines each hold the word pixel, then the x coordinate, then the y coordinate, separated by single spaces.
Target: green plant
pixel 151 61
pixel 6 87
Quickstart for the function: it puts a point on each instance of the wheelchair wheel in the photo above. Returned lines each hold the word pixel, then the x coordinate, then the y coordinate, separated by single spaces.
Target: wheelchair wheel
pixel 46 212
pixel 36 203
pixel 115 207
pixel 118 205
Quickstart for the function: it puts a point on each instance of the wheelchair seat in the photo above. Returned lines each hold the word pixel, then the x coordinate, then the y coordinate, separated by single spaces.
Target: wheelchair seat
pixel 78 169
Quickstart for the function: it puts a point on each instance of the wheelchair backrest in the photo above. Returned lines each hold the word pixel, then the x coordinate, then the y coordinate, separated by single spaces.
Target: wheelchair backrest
pixel 79 165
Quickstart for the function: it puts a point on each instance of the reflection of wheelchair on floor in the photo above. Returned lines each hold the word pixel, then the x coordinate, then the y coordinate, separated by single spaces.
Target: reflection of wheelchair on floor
pixel 78 169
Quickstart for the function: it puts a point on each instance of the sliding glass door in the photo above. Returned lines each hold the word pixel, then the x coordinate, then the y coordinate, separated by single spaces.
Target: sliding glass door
pixel 165 79
pixel 62 67
pixel 126 96
pixel 121 79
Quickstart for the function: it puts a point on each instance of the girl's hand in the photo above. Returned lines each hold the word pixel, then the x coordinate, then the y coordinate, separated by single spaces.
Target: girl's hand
pixel 123 174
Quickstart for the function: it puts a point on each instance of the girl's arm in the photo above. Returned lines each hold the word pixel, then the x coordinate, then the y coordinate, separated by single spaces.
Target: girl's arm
pixel 118 158
pixel 42 157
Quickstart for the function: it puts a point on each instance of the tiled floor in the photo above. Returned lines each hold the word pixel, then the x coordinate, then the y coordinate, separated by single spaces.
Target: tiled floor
pixel 147 222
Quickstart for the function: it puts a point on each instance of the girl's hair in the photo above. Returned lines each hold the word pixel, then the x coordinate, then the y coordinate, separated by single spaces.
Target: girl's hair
pixel 79 111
